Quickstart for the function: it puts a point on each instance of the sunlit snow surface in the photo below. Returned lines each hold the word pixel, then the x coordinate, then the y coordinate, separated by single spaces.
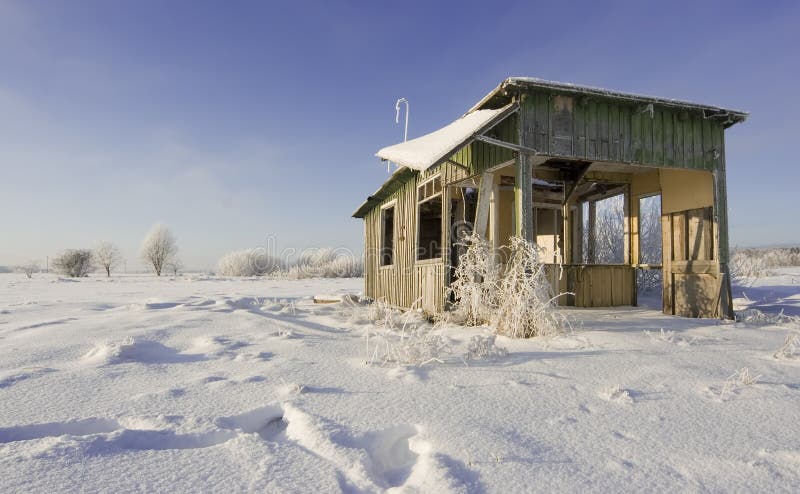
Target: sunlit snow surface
pixel 197 384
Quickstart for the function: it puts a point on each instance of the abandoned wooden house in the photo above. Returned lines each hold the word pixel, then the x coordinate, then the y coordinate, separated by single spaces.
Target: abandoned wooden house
pixel 612 187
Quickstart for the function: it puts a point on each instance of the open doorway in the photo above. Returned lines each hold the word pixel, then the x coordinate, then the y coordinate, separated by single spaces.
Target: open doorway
pixel 648 274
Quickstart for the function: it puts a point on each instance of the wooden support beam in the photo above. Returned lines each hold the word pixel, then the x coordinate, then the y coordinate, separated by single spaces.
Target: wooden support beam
pixel 508 145
pixel 456 163
pixel 695 267
pixel 574 184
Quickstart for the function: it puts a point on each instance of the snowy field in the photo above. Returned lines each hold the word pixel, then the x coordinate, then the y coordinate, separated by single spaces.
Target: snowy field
pixel 137 384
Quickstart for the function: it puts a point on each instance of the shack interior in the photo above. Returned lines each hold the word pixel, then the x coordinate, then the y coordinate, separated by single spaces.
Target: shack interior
pixel 613 233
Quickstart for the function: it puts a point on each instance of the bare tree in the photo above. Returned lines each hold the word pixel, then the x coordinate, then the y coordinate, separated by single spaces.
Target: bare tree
pixel 158 247
pixel 75 263
pixel 107 256
pixel 29 268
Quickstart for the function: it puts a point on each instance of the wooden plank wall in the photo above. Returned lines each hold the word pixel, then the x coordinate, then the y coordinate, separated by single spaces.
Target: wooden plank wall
pixel 596 285
pixel 423 284
pixel 408 282
pixel 604 129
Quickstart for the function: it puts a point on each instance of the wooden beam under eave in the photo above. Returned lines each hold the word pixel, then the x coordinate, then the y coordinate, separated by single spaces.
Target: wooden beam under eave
pixel 574 184
pixel 507 145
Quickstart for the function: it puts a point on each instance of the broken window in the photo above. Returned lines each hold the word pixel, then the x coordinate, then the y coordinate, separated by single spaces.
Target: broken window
pixel 429 217
pixel 387 236
pixel 648 278
pixel 650 230
pixel 603 240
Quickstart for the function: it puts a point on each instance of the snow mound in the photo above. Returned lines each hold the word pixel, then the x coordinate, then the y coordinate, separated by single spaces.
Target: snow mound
pixel 132 350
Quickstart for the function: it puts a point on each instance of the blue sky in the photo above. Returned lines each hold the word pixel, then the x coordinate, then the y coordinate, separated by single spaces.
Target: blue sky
pixel 233 122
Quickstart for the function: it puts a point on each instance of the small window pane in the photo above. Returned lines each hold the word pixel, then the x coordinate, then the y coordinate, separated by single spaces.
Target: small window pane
pixel 387 237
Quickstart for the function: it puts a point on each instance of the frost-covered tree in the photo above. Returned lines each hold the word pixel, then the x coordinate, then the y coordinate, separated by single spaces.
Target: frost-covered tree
pixel 75 263
pixel 28 268
pixel 609 245
pixel 107 256
pixel 158 247
pixel 174 265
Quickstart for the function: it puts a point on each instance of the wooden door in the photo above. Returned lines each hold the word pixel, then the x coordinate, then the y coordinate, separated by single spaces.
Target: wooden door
pixel 691 270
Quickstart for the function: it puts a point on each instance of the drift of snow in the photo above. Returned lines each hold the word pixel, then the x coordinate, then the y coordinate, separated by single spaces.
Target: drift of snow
pixel 198 384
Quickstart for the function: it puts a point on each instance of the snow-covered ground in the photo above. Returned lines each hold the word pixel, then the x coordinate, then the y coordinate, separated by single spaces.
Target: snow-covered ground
pixel 202 384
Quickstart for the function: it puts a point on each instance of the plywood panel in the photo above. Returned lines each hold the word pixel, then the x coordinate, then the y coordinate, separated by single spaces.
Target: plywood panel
pixel 682 190
pixel 645 183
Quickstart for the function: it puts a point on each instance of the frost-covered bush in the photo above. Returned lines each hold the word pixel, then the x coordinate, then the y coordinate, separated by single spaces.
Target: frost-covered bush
pixel 746 266
pixel 518 301
pixel 475 282
pixel 525 301
pixel 326 262
pixel 790 348
pixel 75 263
pixel 247 262
pixel 738 380
pixel 648 280
pixel 484 347
pixel 400 338
pixel 755 317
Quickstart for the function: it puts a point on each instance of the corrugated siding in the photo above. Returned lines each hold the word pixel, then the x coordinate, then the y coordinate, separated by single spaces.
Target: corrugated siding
pixel 594 128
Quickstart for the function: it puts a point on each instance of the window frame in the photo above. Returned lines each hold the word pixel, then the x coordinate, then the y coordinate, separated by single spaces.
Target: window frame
pixel 389 205
pixel 434 195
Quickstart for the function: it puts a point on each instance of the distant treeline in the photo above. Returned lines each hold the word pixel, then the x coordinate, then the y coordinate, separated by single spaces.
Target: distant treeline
pixel 773 257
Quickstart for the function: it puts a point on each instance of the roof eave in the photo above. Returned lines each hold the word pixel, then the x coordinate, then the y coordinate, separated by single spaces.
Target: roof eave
pixel 384 191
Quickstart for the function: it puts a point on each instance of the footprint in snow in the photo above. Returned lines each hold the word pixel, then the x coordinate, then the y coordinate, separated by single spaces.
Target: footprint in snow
pixel 22 374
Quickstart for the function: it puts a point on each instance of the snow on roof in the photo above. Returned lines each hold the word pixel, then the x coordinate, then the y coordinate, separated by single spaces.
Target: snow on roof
pixel 423 152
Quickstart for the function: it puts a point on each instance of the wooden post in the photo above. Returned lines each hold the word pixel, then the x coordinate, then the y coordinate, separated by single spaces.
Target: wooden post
pixel 484 198
pixel 590 245
pixel 721 220
pixel 523 196
pixel 626 225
